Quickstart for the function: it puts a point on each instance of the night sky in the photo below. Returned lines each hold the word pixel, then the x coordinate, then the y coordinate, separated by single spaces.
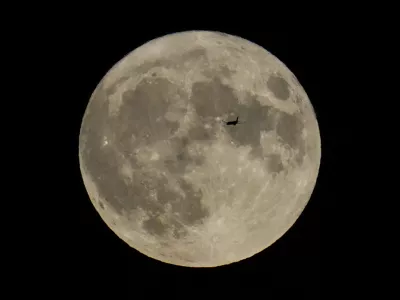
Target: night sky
pixel 83 251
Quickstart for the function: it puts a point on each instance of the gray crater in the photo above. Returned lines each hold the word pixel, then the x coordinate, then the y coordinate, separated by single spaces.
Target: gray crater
pixel 274 164
pixel 154 226
pixel 279 87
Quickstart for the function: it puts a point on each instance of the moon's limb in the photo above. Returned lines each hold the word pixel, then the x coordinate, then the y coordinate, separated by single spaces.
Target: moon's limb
pixel 170 179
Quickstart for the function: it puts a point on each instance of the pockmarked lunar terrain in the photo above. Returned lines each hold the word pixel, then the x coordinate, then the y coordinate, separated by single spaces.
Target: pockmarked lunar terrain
pixel 170 178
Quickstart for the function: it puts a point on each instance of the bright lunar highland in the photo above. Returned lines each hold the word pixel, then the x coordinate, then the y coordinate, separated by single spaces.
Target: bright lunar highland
pixel 170 178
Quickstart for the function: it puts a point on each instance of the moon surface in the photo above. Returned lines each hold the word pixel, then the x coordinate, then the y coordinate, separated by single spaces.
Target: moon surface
pixel 170 178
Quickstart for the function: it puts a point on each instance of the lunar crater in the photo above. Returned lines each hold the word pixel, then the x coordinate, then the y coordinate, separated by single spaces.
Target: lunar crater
pixel 278 86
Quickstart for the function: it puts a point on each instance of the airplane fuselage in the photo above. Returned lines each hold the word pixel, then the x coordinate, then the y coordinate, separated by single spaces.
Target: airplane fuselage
pixel 233 122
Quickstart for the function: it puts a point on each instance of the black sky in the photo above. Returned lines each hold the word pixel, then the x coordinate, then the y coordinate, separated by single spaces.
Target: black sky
pixel 88 253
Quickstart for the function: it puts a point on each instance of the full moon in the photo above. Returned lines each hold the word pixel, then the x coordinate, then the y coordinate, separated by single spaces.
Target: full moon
pixel 170 177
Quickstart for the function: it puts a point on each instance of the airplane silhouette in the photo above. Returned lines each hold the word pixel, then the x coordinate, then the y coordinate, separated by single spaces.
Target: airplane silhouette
pixel 233 123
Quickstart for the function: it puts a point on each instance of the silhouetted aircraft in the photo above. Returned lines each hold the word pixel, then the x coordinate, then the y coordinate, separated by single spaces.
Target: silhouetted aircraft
pixel 233 122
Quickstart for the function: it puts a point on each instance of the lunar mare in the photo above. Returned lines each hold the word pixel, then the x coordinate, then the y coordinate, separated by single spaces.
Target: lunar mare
pixel 165 173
